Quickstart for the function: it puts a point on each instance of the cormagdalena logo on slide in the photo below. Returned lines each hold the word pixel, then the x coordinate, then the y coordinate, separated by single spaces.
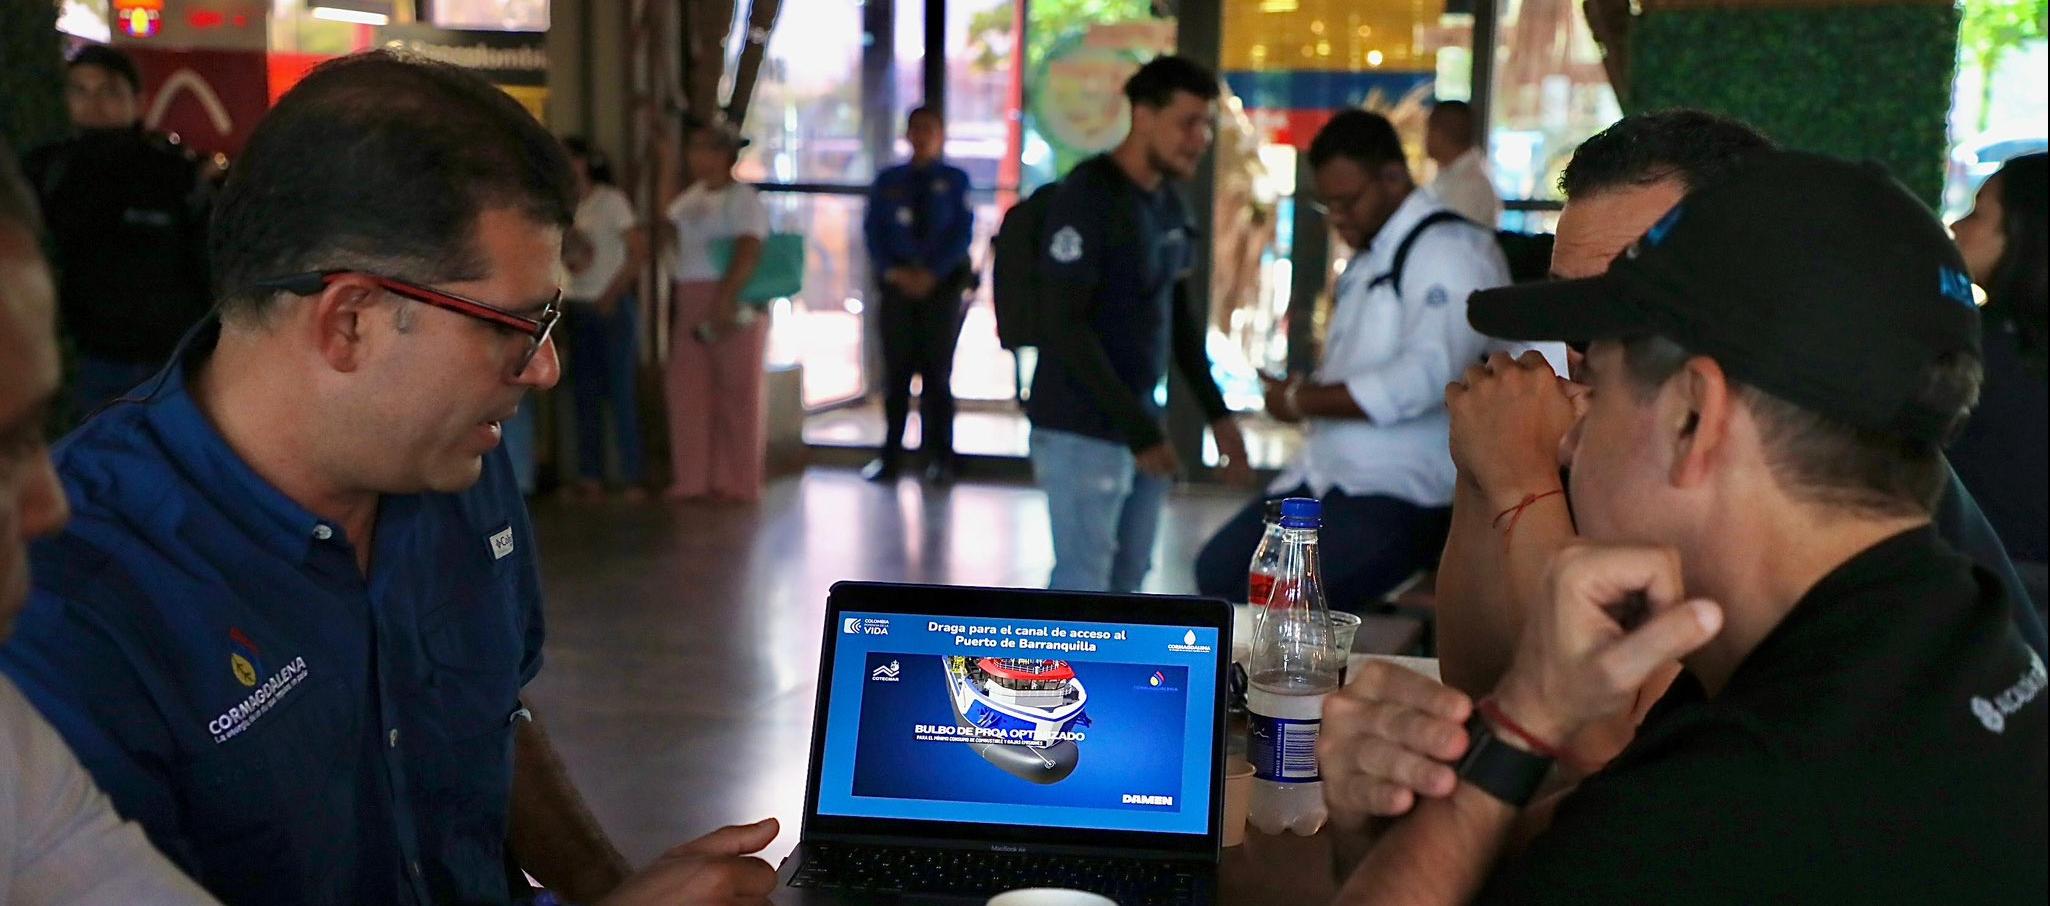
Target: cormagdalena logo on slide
pixel 887 673
pixel 1188 645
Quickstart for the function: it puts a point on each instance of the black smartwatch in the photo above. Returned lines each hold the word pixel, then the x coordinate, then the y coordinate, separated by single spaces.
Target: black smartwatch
pixel 1498 768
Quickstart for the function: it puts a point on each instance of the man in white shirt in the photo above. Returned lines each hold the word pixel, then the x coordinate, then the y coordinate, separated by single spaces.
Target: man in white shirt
pixel 60 841
pixel 1376 446
pixel 1462 183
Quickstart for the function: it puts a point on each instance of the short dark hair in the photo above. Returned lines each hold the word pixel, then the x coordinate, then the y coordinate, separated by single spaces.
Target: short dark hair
pixel 380 161
pixel 1693 146
pixel 2019 291
pixel 109 59
pixel 1155 84
pixel 1456 118
pixel 1362 136
pixel 17 203
pixel 1824 460
pixel 924 110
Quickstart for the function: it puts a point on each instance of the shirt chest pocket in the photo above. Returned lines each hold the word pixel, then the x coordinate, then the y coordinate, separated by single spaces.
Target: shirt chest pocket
pixel 1366 337
pixel 264 801
pixel 474 644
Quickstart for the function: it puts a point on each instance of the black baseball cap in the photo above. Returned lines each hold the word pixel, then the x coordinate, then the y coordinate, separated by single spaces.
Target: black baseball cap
pixel 1821 282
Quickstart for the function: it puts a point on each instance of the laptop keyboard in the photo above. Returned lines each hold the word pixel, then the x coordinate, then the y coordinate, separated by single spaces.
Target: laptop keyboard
pixel 1131 882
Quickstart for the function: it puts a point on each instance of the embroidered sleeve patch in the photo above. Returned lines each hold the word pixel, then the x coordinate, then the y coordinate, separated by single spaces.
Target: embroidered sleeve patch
pixel 1066 247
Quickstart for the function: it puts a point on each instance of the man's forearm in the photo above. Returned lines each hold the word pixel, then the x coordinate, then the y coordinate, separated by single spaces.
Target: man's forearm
pixel 1441 853
pixel 1488 576
pixel 554 836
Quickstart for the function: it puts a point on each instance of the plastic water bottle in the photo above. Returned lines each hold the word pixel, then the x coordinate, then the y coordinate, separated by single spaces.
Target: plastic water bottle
pixel 1293 666
pixel 1266 561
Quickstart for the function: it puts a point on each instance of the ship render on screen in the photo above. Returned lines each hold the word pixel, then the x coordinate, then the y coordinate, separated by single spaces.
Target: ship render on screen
pixel 1038 704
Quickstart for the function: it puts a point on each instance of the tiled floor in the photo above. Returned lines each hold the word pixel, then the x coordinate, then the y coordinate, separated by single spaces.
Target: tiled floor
pixel 1000 429
pixel 683 641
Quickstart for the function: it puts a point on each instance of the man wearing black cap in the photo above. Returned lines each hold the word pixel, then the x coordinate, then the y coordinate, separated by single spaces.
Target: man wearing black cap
pixel 1758 478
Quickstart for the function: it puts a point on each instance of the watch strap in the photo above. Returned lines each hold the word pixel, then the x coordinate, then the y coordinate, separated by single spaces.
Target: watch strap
pixel 1498 768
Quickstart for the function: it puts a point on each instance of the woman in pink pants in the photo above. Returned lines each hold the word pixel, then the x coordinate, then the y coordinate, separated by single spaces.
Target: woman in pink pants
pixel 714 379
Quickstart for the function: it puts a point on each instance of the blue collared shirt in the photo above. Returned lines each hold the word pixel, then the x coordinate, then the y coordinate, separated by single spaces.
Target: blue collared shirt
pixel 285 729
pixel 919 216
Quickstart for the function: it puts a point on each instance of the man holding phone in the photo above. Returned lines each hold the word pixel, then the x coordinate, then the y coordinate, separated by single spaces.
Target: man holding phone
pixel 1374 410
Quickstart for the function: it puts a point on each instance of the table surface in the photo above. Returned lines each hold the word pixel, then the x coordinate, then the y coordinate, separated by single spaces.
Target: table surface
pixel 1269 870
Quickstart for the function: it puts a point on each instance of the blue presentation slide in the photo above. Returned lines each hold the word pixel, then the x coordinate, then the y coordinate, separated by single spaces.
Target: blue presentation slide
pixel 1021 722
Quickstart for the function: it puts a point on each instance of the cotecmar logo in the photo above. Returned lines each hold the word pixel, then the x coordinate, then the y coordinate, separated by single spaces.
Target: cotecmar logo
pixel 887 673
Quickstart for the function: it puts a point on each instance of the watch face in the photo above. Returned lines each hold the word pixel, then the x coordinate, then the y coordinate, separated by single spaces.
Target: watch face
pixel 1497 768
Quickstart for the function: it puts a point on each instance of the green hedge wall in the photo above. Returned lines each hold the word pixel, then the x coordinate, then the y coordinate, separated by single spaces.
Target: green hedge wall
pixel 31 74
pixel 1870 82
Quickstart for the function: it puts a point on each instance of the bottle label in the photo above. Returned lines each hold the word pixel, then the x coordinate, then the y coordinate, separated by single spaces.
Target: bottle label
pixel 1282 750
pixel 1259 589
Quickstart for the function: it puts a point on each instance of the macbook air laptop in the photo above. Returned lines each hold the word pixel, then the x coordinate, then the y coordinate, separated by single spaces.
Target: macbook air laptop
pixel 969 741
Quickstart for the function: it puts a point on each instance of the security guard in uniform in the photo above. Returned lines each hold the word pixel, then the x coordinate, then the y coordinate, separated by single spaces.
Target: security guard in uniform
pixel 918 228
pixel 127 212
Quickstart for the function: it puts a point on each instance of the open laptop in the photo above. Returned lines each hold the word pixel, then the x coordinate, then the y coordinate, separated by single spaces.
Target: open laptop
pixel 969 741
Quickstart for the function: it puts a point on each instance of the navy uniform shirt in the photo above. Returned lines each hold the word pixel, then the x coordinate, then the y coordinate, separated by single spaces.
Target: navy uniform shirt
pixel 1113 258
pixel 127 213
pixel 286 730
pixel 919 217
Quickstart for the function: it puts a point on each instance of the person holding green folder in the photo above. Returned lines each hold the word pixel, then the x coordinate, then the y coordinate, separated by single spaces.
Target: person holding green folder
pixel 714 377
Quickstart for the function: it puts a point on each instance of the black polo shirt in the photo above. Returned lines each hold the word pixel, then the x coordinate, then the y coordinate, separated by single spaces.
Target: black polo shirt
pixel 1884 744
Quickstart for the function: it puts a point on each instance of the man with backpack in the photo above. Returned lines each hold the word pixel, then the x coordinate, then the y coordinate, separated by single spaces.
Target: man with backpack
pixel 1100 291
pixel 1376 445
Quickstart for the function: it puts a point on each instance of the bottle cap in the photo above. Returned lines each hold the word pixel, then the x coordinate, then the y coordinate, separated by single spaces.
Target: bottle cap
pixel 1302 512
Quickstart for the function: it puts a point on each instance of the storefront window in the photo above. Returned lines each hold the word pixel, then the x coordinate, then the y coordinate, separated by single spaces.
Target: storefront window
pixel 1550 94
pixel 982 135
pixel 821 329
pixel 2002 104
pixel 491 15
pixel 804 120
pixel 1078 54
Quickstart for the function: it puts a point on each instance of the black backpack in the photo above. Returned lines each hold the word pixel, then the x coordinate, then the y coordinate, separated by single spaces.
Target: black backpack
pixel 1014 274
pixel 1529 256
pixel 1014 287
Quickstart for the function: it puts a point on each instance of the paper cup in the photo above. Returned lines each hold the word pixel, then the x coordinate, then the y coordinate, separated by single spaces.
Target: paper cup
pixel 1049 896
pixel 1238 799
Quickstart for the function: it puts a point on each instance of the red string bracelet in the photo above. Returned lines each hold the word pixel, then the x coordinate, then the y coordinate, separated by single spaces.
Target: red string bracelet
pixel 1493 712
pixel 1515 513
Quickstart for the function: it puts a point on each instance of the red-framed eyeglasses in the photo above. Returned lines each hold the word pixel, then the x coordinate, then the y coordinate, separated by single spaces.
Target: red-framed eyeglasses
pixel 535 329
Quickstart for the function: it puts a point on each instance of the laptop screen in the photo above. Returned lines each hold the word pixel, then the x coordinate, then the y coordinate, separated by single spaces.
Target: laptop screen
pixel 1048 723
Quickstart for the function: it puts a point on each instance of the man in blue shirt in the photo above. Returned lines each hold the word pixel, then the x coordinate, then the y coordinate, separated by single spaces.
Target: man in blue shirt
pixel 918 227
pixel 288 626
pixel 1118 245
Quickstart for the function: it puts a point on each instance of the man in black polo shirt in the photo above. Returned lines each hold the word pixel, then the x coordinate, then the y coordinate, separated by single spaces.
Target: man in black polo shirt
pixel 1860 720
pixel 1119 244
